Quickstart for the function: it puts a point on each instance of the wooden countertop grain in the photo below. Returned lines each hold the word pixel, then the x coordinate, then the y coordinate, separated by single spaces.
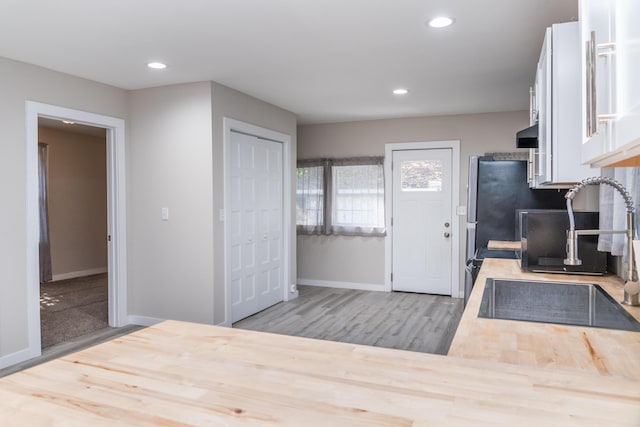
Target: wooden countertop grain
pixel 600 351
pixel 184 374
pixel 504 245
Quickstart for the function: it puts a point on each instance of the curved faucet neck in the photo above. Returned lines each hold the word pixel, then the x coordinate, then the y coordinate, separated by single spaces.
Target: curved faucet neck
pixel 628 201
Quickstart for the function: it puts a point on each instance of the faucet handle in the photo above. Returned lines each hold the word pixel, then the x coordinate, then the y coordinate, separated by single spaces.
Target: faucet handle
pixel 572 249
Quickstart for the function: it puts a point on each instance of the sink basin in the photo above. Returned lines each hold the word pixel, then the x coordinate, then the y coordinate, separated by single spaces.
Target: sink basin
pixel 554 302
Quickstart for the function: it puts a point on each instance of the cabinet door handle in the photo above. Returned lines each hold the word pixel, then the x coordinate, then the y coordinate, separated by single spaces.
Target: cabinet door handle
pixel 594 50
pixel 607 50
pixel 592 114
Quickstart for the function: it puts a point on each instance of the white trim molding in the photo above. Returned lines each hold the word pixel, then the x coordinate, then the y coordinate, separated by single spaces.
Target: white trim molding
pixel 81 273
pixel 116 214
pixel 14 358
pixel 457 287
pixel 143 320
pixel 342 285
pixel 289 291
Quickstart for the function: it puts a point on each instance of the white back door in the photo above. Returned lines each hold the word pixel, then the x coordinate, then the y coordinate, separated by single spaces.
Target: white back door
pixel 421 221
pixel 255 233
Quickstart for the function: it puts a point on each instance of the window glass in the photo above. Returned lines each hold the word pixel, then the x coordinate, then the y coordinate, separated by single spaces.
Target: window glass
pixel 421 175
pixel 358 196
pixel 310 198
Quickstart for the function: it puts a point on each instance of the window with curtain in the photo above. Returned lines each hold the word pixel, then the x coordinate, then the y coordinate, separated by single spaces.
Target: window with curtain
pixel 341 196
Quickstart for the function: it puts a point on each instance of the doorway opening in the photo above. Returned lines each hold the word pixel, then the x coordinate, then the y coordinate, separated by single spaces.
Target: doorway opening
pixel 422 242
pixel 113 234
pixel 72 168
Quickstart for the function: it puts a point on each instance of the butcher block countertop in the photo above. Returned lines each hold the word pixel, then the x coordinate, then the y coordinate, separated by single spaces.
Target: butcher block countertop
pixel 599 351
pixel 184 374
pixel 504 245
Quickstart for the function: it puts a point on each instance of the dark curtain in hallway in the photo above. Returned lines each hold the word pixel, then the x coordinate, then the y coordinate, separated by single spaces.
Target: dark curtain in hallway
pixel 43 200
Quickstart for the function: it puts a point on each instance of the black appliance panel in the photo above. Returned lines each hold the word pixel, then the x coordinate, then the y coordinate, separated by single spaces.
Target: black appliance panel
pixel 544 243
pixel 503 188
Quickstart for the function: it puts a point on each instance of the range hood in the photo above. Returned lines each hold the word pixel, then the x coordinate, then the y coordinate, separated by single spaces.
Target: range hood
pixel 527 138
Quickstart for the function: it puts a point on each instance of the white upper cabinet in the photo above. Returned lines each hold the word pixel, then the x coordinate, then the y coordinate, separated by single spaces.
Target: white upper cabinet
pixel 557 93
pixel 610 75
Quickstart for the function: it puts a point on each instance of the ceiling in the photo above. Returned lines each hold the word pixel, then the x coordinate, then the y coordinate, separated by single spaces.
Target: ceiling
pixel 324 60
pixel 72 127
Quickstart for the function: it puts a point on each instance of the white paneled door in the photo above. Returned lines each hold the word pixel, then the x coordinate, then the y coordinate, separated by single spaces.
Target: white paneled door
pixel 421 221
pixel 255 232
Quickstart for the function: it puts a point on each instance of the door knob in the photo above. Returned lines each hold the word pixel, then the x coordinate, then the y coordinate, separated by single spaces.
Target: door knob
pixel 446 234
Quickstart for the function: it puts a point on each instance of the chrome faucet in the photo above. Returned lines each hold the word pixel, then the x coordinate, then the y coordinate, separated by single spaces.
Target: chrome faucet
pixel 631 276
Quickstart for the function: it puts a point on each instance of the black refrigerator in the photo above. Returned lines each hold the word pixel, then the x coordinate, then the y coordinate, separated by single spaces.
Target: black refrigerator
pixel 497 188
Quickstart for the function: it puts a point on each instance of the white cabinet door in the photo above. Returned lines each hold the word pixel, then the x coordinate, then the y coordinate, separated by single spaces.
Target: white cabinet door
pixel 543 100
pixel 597 22
pixel 558 164
pixel 566 163
pixel 611 96
pixel 627 52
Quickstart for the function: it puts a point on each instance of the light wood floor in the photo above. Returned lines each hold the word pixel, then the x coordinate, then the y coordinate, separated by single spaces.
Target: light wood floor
pixel 406 321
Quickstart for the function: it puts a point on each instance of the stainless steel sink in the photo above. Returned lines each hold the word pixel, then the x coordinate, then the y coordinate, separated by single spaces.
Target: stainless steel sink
pixel 554 302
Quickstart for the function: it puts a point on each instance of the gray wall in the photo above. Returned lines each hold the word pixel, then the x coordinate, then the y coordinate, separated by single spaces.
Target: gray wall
pixel 169 165
pixel 236 105
pixel 77 202
pixel 176 267
pixel 173 159
pixel 20 82
pixel 359 259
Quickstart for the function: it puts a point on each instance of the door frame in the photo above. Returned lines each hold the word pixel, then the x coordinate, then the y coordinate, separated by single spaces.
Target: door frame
pixel 116 214
pixel 287 173
pixel 457 289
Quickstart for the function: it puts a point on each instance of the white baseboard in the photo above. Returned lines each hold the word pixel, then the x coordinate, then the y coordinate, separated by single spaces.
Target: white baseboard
pixel 143 320
pixel 14 358
pixel 342 285
pixel 82 273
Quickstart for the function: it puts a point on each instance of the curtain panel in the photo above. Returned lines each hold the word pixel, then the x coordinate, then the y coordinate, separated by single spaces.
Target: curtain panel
pixel 43 205
pixel 310 196
pixel 613 210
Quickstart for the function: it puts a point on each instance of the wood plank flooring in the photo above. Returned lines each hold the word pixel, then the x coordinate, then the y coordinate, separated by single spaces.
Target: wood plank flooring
pixel 406 321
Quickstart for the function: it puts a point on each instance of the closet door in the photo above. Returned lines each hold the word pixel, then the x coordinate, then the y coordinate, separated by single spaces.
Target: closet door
pixel 255 234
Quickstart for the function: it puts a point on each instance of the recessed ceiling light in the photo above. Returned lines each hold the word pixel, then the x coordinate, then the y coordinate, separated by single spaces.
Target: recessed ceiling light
pixel 400 91
pixel 157 65
pixel 68 122
pixel 440 22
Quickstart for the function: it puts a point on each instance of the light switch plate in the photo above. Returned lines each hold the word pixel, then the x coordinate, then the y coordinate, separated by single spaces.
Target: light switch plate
pixel 165 214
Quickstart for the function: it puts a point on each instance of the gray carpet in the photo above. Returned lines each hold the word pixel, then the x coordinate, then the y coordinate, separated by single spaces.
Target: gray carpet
pixel 71 308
